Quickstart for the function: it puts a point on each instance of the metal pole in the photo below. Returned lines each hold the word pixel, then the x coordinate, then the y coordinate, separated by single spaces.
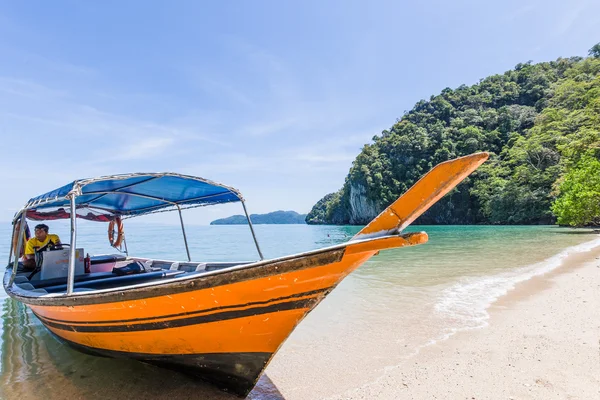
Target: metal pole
pixel 18 251
pixel 252 230
pixel 183 230
pixel 125 244
pixel 12 235
pixel 71 273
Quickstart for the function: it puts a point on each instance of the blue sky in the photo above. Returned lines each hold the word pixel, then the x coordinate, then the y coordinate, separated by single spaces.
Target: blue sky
pixel 274 98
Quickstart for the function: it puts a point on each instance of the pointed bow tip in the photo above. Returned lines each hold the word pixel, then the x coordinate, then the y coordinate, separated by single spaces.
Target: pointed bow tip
pixel 481 156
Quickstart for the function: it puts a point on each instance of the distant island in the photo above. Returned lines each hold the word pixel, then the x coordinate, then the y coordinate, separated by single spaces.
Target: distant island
pixel 276 217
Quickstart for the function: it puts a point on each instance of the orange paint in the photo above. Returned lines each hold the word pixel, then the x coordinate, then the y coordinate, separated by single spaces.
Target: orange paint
pixel 261 333
pixel 264 332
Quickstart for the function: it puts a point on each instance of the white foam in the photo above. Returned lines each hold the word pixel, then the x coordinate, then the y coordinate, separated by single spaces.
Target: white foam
pixel 464 305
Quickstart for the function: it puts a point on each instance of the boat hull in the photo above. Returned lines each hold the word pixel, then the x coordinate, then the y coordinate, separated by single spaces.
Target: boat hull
pixel 224 326
pixel 232 372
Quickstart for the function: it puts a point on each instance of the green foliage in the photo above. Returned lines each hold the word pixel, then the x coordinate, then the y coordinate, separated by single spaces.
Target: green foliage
pixel 579 200
pixel 328 210
pixel 595 51
pixel 318 211
pixel 522 190
pixel 537 120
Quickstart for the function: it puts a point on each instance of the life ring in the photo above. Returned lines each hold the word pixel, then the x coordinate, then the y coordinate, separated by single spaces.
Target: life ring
pixel 15 238
pixel 120 232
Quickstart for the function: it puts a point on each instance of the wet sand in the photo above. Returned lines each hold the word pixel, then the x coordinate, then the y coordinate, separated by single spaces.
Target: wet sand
pixel 542 342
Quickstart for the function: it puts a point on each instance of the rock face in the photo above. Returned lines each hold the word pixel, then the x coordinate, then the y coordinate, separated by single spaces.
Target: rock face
pixel 362 210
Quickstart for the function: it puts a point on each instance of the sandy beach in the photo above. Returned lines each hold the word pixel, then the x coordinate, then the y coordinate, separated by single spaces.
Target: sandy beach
pixel 542 342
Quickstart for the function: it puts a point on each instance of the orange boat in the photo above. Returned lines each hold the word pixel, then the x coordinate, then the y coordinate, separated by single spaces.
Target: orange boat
pixel 219 321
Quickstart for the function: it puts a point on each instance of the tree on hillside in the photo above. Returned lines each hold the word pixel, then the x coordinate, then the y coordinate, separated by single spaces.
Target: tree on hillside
pixel 538 121
pixel 579 200
pixel 595 51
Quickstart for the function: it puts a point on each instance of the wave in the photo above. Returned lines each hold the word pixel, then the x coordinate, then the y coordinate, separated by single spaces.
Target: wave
pixel 464 305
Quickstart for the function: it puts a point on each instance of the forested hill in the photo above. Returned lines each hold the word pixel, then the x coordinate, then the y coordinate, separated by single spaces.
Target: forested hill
pixel 541 122
pixel 275 217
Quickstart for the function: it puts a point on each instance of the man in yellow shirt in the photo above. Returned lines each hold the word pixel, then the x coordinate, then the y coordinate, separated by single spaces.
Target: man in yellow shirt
pixel 41 240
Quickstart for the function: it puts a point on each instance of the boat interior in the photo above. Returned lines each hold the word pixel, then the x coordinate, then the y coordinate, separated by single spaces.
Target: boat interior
pixel 111 199
pixel 111 271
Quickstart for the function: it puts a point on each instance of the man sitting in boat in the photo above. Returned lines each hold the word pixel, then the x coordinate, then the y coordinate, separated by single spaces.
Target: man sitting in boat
pixel 41 240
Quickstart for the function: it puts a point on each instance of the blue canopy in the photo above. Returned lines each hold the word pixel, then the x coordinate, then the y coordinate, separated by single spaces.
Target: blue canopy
pixel 107 197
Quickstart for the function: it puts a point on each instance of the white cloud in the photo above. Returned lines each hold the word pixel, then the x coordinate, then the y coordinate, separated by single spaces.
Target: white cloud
pixel 326 158
pixel 145 148
pixel 269 127
pixel 573 13
pixel 568 20
pixel 28 89
pixel 522 11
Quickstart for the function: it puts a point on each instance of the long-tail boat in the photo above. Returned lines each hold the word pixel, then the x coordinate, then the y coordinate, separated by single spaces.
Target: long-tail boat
pixel 220 321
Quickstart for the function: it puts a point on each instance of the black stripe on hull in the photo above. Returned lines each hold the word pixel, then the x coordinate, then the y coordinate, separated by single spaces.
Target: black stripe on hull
pixel 195 320
pixel 325 291
pixel 236 373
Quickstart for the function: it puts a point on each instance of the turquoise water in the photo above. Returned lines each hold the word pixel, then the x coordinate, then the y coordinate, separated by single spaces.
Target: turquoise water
pixel 385 311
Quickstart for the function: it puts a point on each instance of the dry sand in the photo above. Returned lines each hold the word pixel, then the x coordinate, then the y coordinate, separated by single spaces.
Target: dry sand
pixel 542 342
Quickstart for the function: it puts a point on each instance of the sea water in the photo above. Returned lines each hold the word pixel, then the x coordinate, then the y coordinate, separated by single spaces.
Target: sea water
pixel 382 314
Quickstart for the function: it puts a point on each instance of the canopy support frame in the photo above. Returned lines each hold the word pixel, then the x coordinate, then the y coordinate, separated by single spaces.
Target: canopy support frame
pixel 187 249
pixel 12 235
pixel 252 230
pixel 71 272
pixel 18 250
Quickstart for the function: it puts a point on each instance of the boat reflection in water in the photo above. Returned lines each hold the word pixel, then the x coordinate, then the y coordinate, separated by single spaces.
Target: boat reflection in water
pixel 37 365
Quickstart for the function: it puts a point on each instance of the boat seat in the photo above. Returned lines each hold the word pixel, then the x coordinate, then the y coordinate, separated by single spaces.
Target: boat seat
pixel 107 258
pixel 26 286
pixel 29 287
pixel 188 266
pixel 78 278
pixel 21 279
pixel 201 267
pixel 162 264
pixel 116 281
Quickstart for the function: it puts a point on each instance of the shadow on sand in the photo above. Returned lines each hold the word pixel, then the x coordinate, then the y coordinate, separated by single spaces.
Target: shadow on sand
pixel 37 365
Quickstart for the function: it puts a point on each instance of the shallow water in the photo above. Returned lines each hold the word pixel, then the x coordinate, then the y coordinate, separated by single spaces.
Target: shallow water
pixel 383 313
